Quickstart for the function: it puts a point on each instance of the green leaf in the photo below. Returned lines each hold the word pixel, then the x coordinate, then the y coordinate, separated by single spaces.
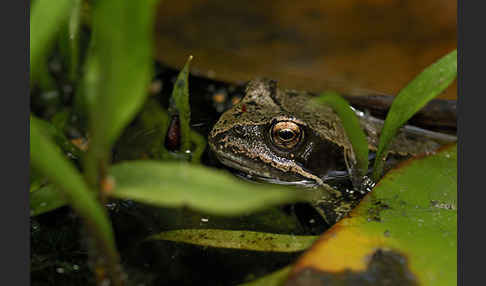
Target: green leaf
pixel 58 137
pixel 74 30
pixel 351 126
pixel 412 212
pixel 179 184
pixel 199 143
pixel 427 85
pixel 123 48
pixel 36 180
pixel 154 117
pixel 69 40
pixel 46 20
pixel 276 278
pixel 179 105
pixel 46 159
pixel 45 199
pixel 119 72
pixel 238 239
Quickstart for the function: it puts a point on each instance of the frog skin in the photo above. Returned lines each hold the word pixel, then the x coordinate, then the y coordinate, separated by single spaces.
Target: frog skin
pixel 279 136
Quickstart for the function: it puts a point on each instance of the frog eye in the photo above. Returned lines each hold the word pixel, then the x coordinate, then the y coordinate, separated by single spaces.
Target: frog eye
pixel 286 134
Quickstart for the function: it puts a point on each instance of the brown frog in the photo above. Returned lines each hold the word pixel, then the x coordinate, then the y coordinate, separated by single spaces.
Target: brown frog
pixel 280 136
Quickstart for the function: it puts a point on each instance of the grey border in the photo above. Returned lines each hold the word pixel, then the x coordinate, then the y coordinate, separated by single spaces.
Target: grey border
pixel 460 139
pixel 14 118
pixel 471 145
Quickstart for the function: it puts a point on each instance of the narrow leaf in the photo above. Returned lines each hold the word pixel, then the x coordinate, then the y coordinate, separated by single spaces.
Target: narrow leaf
pixel 45 199
pixel 47 160
pixel 73 30
pixel 351 126
pixel 179 184
pixel 238 239
pixel 123 49
pixel 50 131
pixel 45 22
pixel 427 85
pixel 154 117
pixel 180 105
pixel 276 278
pixel 199 143
pixel 119 72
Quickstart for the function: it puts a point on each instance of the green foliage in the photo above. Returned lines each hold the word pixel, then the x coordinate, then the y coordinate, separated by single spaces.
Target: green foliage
pixel 69 40
pixel 45 199
pixel 199 144
pixel 351 126
pixel 180 105
pixel 124 61
pixel 238 239
pixel 273 279
pixel 155 117
pixel 427 85
pixel 118 71
pixel 58 137
pixel 412 212
pixel 421 215
pixel 178 184
pixel 119 68
pixel 46 21
pixel 47 160
pixel 425 226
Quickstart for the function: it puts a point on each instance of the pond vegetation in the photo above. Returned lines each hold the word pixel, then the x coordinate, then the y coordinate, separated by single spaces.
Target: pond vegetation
pixel 91 74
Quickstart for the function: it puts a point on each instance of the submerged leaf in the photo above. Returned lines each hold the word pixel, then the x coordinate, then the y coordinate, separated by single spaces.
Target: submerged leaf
pixel 409 221
pixel 178 184
pixel 276 278
pixel 427 85
pixel 238 239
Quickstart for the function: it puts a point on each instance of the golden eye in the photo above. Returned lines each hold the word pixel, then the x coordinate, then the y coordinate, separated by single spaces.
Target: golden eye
pixel 286 134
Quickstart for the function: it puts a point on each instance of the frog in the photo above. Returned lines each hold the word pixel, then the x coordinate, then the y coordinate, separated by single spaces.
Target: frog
pixel 282 136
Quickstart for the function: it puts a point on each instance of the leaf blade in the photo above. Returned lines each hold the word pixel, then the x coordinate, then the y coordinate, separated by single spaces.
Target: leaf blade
pixel 423 88
pixel 179 184
pixel 45 21
pixel 47 160
pixel 125 81
pixel 351 126
pixel 275 278
pixel 238 239
pixel 45 199
pixel 118 75
pixel 411 212
pixel 179 105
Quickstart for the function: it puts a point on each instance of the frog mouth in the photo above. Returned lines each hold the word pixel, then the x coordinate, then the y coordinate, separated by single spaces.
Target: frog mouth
pixel 238 164
pixel 243 169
